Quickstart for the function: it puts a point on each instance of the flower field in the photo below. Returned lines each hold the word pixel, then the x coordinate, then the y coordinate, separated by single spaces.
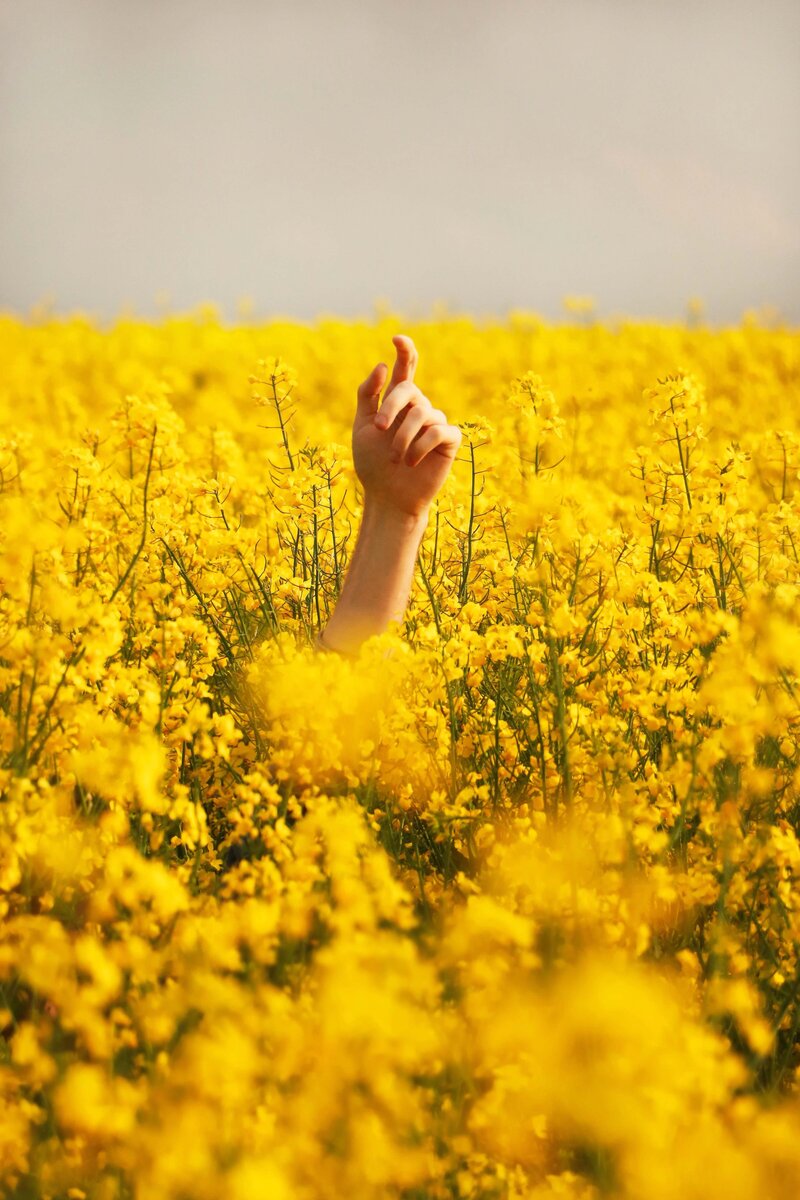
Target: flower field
pixel 506 907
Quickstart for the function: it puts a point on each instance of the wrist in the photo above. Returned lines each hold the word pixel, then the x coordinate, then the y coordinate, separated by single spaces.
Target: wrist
pixel 379 513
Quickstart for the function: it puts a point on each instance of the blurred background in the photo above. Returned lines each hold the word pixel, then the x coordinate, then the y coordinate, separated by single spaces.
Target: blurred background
pixel 327 156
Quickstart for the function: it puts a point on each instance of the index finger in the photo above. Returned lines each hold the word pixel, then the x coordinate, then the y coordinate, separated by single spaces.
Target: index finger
pixel 405 363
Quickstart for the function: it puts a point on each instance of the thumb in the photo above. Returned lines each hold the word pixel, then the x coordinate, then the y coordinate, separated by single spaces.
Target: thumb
pixel 370 390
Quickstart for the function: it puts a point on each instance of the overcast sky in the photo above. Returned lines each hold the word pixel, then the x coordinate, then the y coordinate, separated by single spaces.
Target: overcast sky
pixel 321 155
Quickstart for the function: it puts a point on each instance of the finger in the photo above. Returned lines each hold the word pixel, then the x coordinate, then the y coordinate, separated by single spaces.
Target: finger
pixel 436 417
pixel 410 425
pixel 444 439
pixel 406 393
pixel 370 390
pixel 405 363
pixel 416 419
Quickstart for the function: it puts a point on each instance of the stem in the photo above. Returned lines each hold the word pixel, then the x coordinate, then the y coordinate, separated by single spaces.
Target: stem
pixel 140 547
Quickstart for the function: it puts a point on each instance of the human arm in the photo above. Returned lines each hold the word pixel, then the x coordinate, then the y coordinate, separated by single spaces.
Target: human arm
pixel 403 449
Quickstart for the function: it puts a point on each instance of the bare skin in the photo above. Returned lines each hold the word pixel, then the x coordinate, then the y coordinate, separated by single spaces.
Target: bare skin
pixel 403 449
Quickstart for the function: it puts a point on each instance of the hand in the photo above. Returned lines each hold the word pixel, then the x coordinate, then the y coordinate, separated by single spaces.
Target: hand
pixel 403 447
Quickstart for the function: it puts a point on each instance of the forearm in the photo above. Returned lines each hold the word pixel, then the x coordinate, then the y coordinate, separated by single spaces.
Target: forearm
pixel 379 576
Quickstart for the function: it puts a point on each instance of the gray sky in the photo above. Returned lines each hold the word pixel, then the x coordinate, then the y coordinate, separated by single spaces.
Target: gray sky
pixel 320 155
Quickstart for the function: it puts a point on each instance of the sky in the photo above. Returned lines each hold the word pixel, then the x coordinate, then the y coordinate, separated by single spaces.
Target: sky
pixel 307 158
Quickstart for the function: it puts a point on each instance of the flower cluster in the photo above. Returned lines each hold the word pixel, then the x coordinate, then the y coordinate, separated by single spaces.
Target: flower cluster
pixel 506 907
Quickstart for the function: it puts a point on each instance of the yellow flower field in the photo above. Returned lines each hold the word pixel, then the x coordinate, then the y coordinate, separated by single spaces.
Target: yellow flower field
pixel 507 907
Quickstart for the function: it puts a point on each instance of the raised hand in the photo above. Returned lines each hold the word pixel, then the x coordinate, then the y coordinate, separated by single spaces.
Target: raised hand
pixel 403 447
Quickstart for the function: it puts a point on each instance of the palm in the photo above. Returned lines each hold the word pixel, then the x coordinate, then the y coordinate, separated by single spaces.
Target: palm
pixel 408 488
